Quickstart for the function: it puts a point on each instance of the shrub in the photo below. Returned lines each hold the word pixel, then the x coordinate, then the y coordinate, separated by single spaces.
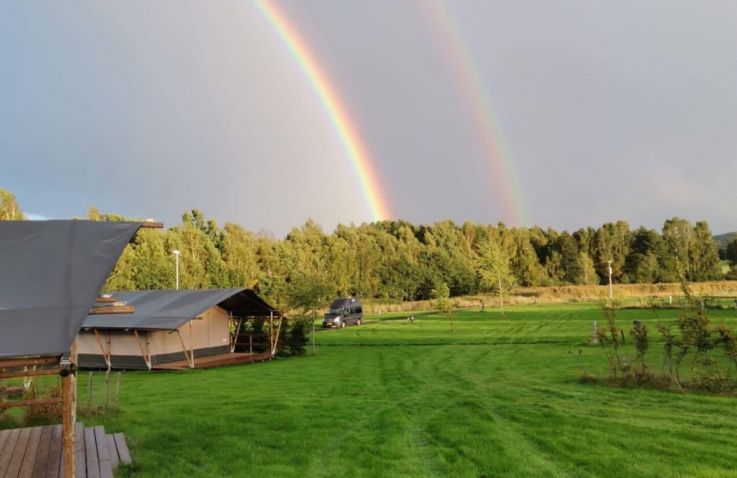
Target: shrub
pixel 41 414
pixel 297 337
pixel 441 294
pixel 695 339
pixel 610 342
pixel 669 343
pixel 639 336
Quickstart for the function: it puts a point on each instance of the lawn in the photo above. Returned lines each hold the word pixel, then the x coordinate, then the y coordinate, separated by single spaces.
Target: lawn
pixel 496 396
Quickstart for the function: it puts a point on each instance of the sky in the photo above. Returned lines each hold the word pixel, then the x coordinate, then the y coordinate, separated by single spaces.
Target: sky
pixel 556 113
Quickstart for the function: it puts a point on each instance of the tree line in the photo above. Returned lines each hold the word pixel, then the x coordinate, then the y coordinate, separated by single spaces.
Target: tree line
pixel 401 261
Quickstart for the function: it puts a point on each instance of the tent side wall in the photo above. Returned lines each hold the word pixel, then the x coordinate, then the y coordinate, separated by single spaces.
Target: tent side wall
pixel 208 334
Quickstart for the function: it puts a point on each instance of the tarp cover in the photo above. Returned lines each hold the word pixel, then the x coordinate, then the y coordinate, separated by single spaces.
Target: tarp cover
pixel 169 309
pixel 50 275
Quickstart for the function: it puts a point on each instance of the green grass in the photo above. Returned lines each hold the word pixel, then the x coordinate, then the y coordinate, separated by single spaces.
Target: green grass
pixel 497 396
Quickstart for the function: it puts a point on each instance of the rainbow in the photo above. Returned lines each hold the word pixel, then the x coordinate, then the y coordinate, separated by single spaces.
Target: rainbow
pixel 496 151
pixel 334 107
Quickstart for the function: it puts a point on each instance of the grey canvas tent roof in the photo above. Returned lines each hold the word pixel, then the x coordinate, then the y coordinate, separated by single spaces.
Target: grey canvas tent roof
pixel 50 275
pixel 169 309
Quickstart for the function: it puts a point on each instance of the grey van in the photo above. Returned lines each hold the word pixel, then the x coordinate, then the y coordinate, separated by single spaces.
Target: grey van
pixel 343 311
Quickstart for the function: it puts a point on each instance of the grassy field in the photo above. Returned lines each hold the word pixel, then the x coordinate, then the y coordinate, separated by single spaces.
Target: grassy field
pixel 497 396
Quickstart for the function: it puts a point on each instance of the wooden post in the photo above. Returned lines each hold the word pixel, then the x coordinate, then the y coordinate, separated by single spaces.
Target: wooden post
pixel 68 412
pixel 117 391
pixel 107 388
pixel 314 346
pixel 89 392
pixel 67 425
pixel 75 359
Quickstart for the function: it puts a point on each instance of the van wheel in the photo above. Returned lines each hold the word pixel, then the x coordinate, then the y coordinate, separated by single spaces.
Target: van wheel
pixel 358 322
pixel 342 325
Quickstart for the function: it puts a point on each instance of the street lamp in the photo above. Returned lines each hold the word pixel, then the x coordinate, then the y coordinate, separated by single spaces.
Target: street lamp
pixel 176 260
pixel 609 270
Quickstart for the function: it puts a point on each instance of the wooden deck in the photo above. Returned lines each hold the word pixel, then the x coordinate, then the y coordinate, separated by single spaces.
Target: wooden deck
pixel 216 361
pixel 36 452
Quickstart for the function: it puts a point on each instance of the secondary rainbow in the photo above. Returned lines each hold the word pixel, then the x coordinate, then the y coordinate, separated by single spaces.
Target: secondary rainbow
pixel 334 107
pixel 466 73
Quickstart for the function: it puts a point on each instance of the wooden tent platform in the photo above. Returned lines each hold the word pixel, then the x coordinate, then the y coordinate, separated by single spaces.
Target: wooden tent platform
pixel 36 452
pixel 216 361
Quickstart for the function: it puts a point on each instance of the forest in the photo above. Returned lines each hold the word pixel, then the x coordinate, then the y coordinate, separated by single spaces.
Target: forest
pixel 397 260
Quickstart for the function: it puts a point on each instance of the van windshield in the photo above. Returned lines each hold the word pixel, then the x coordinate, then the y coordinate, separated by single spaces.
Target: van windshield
pixel 335 310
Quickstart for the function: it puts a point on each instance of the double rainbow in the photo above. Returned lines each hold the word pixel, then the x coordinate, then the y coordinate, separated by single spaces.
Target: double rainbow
pixel 334 107
pixel 459 57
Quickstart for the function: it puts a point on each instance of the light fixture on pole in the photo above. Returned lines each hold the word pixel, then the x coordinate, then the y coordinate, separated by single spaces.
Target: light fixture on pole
pixel 609 270
pixel 176 260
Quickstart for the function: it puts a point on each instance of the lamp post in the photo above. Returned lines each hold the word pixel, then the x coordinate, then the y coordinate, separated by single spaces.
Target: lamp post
pixel 176 261
pixel 609 270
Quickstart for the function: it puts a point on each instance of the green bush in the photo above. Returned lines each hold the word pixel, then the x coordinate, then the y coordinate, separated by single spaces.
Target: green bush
pixel 695 343
pixel 297 337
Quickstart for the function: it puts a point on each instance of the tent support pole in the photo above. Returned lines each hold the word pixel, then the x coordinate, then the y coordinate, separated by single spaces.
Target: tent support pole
pixel 234 340
pixel 276 338
pixel 271 331
pixel 189 356
pixel 144 350
pixel 106 354
pixel 191 346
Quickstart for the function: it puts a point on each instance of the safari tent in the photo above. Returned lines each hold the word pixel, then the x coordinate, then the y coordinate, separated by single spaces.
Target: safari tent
pixel 173 329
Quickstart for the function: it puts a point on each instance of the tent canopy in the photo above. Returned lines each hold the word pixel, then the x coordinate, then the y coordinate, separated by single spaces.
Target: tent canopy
pixel 50 275
pixel 170 309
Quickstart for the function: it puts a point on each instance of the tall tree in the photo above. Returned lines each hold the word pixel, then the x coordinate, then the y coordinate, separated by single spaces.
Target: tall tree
pixel 573 271
pixel 9 208
pixel 705 255
pixel 642 264
pixel 678 236
pixel 611 243
pixel 732 252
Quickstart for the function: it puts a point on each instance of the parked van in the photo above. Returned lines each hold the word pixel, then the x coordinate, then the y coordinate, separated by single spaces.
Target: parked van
pixel 343 311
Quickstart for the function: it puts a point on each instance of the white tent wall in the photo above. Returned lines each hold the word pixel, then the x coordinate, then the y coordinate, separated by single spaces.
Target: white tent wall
pixel 211 329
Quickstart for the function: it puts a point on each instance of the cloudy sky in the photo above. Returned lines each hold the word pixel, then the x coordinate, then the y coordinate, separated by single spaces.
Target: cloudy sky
pixel 596 110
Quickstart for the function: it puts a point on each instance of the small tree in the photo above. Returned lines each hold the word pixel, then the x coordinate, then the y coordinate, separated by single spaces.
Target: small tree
pixel 639 336
pixel 610 342
pixel 669 343
pixel 441 295
pixel 494 272
pixel 695 336
pixel 728 341
pixel 310 292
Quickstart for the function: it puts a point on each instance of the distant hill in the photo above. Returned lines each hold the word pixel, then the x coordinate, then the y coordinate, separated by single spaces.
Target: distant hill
pixel 723 239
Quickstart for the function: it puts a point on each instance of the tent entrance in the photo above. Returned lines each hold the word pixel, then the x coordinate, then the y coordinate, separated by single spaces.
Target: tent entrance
pixel 256 335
